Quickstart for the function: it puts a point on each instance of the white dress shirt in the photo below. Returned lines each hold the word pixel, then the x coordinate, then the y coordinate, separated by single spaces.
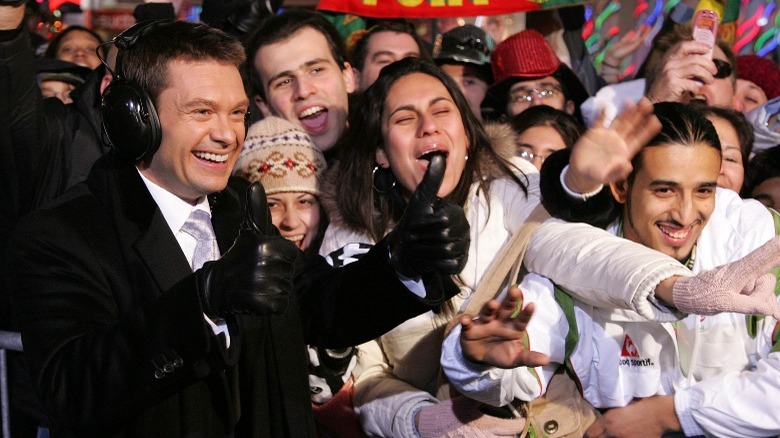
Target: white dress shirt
pixel 176 211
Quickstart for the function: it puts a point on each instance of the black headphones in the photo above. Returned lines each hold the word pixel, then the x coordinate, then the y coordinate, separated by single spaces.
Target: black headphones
pixel 130 122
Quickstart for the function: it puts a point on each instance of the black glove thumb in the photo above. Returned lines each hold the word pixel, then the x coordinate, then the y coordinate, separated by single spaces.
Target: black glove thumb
pixel 425 195
pixel 419 227
pixel 258 216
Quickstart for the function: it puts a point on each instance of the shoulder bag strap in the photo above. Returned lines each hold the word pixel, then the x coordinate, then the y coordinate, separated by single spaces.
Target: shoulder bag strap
pixel 507 263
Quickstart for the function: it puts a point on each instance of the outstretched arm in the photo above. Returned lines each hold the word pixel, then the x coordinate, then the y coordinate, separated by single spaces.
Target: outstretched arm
pixel 646 281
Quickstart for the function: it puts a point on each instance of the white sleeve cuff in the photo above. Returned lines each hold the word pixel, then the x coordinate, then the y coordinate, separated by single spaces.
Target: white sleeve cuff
pixel 572 193
pixel 219 326
pixel 682 407
pixel 416 287
pixel 455 365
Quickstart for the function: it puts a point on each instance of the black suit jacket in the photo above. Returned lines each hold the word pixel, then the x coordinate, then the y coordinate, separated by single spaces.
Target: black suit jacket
pixel 115 334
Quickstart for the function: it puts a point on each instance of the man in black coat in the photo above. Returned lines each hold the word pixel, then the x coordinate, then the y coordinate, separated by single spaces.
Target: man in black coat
pixel 124 339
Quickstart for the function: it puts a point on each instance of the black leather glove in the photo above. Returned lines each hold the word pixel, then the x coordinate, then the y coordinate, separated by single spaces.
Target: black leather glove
pixel 433 234
pixel 255 276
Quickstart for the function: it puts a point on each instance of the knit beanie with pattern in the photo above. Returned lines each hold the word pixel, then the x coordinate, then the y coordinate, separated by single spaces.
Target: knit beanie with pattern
pixel 282 157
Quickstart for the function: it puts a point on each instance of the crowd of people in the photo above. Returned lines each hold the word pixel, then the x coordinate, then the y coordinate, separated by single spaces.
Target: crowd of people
pixel 257 226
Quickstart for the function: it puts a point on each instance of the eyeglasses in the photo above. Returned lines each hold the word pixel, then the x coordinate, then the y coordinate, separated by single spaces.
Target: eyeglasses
pixel 528 155
pixel 724 68
pixel 524 96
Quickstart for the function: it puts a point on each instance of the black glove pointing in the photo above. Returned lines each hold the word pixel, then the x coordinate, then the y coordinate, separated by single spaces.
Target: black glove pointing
pixel 433 233
pixel 255 276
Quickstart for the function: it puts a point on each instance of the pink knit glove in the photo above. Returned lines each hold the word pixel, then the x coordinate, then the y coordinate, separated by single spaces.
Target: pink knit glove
pixel 461 418
pixel 744 286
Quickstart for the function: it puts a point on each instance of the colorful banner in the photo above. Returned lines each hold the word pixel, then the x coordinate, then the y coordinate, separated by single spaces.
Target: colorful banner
pixel 438 8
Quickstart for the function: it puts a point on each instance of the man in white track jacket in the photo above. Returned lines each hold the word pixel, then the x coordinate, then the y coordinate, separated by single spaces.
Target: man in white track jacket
pixel 718 366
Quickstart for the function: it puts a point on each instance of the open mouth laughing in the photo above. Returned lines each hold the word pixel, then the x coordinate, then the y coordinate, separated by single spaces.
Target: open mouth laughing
pixel 212 157
pixel 676 234
pixel 314 118
pixel 297 239
pixel 425 157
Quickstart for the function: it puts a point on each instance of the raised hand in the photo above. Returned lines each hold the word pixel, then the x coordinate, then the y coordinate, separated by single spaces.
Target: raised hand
pixel 603 155
pixel 433 233
pixel 255 276
pixel 626 45
pixel 745 286
pixel 684 68
pixel 498 337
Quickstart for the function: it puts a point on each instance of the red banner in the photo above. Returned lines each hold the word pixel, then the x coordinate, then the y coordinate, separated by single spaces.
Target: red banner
pixel 437 8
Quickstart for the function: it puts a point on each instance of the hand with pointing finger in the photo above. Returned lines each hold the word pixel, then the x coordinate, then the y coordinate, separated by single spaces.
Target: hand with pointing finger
pixel 433 234
pixel 255 276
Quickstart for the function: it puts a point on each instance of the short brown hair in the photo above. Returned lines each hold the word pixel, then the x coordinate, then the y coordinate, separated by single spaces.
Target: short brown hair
pixel 146 60
pixel 277 28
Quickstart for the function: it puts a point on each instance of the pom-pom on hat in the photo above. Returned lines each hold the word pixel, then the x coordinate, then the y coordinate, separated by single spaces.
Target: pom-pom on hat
pixel 760 71
pixel 282 157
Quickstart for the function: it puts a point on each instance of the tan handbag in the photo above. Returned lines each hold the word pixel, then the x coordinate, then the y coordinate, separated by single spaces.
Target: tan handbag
pixel 561 412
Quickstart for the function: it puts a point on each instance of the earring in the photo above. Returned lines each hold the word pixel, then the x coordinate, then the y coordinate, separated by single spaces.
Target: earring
pixel 378 187
pixel 467 157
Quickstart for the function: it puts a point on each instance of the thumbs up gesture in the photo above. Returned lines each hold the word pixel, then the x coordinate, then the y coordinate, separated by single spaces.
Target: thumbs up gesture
pixel 255 276
pixel 433 233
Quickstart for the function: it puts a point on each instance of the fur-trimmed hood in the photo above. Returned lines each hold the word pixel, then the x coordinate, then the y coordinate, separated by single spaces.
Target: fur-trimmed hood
pixel 502 138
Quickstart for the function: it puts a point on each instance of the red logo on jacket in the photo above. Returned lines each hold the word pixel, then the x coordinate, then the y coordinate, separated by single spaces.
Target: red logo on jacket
pixel 629 349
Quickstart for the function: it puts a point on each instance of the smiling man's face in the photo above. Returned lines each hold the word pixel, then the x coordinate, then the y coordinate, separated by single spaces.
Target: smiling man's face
pixel 304 84
pixel 202 117
pixel 671 197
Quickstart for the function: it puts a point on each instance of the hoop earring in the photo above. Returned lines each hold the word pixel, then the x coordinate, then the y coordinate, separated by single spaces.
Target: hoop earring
pixel 376 187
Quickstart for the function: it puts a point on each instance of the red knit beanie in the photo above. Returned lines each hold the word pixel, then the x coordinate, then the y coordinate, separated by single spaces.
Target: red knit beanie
pixel 760 71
